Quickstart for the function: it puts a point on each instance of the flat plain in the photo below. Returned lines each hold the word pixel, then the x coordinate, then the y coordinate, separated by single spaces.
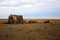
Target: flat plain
pixel 36 31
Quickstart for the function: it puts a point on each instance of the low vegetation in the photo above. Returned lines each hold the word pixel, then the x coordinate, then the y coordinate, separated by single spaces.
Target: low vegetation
pixel 43 30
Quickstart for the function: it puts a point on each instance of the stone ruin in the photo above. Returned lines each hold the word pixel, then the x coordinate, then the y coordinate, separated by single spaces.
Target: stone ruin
pixel 15 19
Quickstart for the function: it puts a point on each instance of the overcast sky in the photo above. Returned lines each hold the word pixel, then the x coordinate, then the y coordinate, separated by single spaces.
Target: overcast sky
pixel 30 8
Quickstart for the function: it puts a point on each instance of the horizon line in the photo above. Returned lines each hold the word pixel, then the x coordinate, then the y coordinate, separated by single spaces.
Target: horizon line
pixel 34 18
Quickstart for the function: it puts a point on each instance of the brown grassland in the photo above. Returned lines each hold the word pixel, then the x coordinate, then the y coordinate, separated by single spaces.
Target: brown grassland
pixel 37 31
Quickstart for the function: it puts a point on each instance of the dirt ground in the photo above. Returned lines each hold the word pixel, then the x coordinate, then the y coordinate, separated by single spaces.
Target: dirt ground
pixel 37 31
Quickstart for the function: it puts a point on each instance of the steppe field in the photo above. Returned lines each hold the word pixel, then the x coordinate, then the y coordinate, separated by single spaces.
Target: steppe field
pixel 36 31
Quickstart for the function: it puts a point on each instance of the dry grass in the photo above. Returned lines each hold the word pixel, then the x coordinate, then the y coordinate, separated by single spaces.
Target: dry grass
pixel 40 31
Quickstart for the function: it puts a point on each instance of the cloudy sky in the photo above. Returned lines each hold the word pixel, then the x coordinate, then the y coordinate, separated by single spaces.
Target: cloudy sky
pixel 30 8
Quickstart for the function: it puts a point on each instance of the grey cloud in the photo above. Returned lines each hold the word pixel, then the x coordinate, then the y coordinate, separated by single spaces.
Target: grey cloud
pixel 6 4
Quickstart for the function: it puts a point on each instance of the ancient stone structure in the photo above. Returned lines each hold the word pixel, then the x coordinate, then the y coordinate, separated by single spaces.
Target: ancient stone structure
pixel 15 19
